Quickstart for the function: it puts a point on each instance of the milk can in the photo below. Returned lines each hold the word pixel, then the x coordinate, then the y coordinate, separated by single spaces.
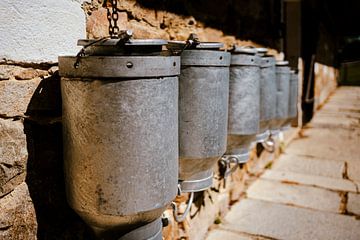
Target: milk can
pixel 244 102
pixel 203 111
pixel 294 85
pixel 267 94
pixel 282 95
pixel 120 117
pixel 293 95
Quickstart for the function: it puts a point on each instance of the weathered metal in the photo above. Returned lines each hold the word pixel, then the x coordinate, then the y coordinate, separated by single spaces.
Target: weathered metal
pixel 203 113
pixel 282 95
pixel 267 94
pixel 120 128
pixel 244 102
pixel 293 95
pixel 294 85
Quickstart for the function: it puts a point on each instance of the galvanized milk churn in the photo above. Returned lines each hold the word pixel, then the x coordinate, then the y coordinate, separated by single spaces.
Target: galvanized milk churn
pixel 293 95
pixel 203 111
pixel 244 103
pixel 282 95
pixel 267 94
pixel 294 86
pixel 120 116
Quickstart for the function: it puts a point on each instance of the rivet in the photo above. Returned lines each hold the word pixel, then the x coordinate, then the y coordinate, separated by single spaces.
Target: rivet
pixel 129 65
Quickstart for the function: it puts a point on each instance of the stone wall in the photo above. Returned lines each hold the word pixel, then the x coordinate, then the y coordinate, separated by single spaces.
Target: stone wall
pixel 32 192
pixel 326 78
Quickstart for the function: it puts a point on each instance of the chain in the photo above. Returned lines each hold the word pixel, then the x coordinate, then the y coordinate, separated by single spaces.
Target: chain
pixel 112 16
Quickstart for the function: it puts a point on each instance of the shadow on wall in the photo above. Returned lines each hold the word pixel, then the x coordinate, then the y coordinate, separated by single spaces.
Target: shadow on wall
pixel 45 176
pixel 256 20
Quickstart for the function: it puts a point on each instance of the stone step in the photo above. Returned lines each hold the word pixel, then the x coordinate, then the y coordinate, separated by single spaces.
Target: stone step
pixel 332 144
pixel 334 184
pixel 309 165
pixel 287 222
pixel 353 205
pixel 294 194
pixel 220 234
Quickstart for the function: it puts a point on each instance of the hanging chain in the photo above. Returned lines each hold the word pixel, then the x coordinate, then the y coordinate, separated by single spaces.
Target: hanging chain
pixel 112 16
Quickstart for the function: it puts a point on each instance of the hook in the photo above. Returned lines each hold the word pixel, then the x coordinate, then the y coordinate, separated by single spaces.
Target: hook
pixel 269 144
pixel 181 218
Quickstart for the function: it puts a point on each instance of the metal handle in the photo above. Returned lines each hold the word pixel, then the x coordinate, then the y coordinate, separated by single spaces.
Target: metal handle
pixel 181 218
pixel 228 161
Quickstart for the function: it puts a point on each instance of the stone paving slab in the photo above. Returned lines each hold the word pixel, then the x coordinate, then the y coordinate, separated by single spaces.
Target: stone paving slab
pixel 309 165
pixel 353 205
pixel 353 170
pixel 334 184
pixel 320 120
pixel 294 194
pixel 219 234
pixel 335 114
pixel 341 109
pixel 287 222
pixel 332 144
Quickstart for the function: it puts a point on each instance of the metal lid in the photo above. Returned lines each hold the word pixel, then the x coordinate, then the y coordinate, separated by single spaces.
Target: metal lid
pixel 124 46
pixel 119 42
pixel 180 45
pixel 246 50
pixel 262 50
pixel 282 63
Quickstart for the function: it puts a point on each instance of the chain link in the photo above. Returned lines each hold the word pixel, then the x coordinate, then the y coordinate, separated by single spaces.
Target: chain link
pixel 112 16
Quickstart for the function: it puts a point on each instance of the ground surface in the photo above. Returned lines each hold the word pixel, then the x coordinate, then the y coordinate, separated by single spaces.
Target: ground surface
pixel 312 190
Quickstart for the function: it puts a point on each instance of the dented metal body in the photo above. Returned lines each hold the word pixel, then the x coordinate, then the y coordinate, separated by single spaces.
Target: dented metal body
pixel 203 114
pixel 282 95
pixel 120 128
pixel 268 91
pixel 244 102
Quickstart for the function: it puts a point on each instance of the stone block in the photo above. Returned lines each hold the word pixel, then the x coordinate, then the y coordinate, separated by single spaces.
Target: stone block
pixel 143 30
pixel 13 155
pixel 31 97
pixel 97 24
pixel 15 96
pixel 278 221
pixel 17 215
pixel 294 194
